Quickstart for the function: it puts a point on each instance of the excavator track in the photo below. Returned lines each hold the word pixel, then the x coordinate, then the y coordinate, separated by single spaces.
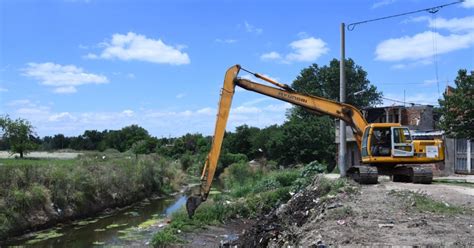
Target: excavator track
pixel 422 175
pixel 413 174
pixel 363 174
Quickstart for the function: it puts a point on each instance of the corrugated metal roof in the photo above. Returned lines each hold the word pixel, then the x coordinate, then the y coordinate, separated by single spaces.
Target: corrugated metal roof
pixel 429 133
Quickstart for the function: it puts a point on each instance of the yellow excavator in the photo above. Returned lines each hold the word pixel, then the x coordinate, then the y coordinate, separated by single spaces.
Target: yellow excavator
pixel 386 148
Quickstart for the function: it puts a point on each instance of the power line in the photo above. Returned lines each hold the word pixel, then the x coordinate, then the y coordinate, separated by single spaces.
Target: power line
pixel 411 103
pixel 431 10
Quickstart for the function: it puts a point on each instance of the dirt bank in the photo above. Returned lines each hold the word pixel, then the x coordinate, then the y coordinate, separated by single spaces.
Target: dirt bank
pixel 381 215
pixel 217 236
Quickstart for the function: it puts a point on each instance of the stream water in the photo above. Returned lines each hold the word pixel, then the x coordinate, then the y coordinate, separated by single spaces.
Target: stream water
pixel 134 225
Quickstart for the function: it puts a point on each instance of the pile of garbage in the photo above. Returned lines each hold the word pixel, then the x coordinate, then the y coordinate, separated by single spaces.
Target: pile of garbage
pixel 282 226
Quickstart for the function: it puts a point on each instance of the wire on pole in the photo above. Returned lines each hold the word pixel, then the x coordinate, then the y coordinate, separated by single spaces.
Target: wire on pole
pixel 431 10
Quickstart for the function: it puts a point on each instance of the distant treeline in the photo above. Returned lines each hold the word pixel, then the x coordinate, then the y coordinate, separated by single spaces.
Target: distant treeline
pixel 292 142
pixel 302 138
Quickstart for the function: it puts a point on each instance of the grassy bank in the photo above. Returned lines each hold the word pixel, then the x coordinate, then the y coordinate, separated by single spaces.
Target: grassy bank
pixel 38 193
pixel 249 192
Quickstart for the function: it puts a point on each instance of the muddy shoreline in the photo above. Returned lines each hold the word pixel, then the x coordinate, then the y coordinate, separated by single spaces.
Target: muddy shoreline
pixel 46 217
pixel 50 218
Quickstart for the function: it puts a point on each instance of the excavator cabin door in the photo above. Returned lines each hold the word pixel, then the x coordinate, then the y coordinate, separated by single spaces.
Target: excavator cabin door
pixel 402 145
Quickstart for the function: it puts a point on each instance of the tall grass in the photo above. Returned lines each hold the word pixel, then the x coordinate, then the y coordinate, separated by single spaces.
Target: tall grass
pixel 49 189
pixel 250 192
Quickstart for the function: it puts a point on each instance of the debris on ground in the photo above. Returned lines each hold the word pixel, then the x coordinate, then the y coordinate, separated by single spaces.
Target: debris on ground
pixel 372 215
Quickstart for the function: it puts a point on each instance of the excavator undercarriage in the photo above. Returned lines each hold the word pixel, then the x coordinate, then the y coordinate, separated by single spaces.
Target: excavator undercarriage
pixel 410 173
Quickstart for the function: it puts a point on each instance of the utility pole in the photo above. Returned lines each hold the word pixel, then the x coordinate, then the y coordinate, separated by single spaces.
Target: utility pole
pixel 342 98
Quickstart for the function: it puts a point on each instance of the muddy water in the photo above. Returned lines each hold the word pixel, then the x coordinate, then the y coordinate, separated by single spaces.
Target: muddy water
pixel 131 226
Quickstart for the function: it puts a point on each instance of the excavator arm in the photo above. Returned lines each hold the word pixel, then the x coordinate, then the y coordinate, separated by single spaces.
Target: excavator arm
pixel 319 105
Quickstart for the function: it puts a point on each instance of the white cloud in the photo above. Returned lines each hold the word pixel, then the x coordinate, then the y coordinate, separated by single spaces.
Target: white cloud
pixel 64 78
pixel 133 46
pixel 246 110
pixel 302 35
pixel 3 89
pixel 227 41
pixel 61 117
pixel 180 95
pixel 270 56
pixel 468 4
pixel 382 3
pixel 128 113
pixel 20 102
pixel 283 107
pixel 454 24
pixel 420 46
pixel 252 29
pixel 411 65
pixel 416 19
pixel 206 111
pixel 90 56
pixel 131 75
pixel 260 112
pixel 304 50
pixel 65 90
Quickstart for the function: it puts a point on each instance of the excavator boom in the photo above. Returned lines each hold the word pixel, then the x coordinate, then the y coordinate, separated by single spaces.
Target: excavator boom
pixel 386 148
pixel 345 112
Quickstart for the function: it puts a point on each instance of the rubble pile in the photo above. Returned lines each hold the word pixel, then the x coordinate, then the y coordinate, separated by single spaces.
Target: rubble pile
pixel 281 227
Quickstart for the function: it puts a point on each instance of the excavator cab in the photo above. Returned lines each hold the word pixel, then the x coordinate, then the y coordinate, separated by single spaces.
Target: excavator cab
pixel 391 141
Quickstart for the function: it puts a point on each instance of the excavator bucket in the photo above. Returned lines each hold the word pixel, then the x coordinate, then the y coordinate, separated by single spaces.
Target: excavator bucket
pixel 192 204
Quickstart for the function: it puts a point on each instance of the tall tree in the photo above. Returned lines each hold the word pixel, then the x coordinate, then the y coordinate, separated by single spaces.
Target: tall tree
pixel 19 134
pixel 457 107
pixel 324 82
pixel 312 137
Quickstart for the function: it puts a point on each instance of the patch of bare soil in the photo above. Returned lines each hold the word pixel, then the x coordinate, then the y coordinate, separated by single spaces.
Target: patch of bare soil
pixel 451 194
pixel 217 236
pixel 373 216
pixel 55 155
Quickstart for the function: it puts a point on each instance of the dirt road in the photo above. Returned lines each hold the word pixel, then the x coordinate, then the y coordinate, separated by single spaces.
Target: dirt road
pixel 386 214
pixel 55 155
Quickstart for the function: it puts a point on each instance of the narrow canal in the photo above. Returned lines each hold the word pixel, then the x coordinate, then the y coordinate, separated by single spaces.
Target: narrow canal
pixel 133 226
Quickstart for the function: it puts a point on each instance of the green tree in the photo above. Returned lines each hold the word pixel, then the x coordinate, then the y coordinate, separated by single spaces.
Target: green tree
pixel 324 82
pixel 309 137
pixel 92 139
pixel 242 141
pixel 59 141
pixel 140 147
pixel 457 107
pixel 19 134
pixel 133 133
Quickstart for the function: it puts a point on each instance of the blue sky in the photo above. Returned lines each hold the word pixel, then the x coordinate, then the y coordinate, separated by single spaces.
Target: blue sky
pixel 72 65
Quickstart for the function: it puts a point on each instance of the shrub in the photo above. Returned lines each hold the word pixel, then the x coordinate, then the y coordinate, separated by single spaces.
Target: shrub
pixel 232 158
pixel 266 184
